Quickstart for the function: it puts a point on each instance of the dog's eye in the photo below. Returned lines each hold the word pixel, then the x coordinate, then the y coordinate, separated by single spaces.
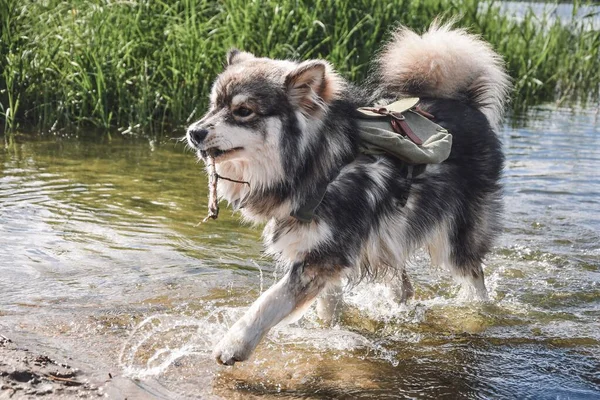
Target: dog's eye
pixel 242 112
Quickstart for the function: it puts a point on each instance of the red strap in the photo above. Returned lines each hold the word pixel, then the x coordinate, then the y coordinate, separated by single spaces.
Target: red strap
pixel 400 126
pixel 424 113
pixel 398 123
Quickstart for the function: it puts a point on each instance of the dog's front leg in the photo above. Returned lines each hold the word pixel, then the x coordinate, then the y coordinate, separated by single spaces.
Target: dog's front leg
pixel 299 286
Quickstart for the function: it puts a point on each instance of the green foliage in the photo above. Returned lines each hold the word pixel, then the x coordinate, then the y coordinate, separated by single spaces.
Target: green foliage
pixel 149 63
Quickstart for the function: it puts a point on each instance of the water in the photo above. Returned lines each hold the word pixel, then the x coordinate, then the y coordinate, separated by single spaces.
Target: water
pixel 102 262
pixel 564 12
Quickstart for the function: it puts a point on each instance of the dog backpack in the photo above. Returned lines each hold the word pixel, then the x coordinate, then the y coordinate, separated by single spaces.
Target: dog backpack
pixel 403 130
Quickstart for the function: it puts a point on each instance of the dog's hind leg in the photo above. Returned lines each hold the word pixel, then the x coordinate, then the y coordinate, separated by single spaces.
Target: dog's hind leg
pixel 463 260
pixel 472 284
pixel 401 291
pixel 299 286
pixel 329 304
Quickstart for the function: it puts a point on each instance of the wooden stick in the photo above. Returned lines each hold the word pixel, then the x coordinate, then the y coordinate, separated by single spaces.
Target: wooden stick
pixel 213 201
pixel 66 380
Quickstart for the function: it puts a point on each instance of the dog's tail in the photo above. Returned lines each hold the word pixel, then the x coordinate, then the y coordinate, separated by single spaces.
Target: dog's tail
pixel 446 63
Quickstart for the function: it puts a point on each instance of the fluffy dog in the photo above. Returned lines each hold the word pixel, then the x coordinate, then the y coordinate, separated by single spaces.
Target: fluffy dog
pixel 289 129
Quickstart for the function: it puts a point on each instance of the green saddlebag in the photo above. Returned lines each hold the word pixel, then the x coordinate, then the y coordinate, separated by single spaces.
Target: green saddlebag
pixel 378 137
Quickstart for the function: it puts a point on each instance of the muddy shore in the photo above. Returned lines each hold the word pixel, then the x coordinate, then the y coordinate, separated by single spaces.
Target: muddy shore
pixel 30 371
pixel 26 373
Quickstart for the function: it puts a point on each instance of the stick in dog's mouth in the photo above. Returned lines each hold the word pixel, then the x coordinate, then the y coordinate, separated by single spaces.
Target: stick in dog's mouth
pixel 213 180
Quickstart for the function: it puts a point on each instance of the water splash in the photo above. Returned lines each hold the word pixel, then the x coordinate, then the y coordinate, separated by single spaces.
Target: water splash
pixel 161 340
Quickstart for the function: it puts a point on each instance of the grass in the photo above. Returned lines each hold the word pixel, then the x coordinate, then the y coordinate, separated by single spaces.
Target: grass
pixel 148 64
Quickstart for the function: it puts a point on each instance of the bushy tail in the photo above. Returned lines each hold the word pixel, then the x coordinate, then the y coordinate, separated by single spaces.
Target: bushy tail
pixel 446 63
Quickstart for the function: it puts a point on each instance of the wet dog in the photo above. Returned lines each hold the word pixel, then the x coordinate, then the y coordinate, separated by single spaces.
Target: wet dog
pixel 288 129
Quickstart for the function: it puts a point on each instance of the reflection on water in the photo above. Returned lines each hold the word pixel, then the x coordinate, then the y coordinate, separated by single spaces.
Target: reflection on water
pixel 102 259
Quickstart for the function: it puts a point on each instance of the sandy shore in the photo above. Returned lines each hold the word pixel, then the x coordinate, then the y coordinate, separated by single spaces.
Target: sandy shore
pixel 26 373
pixel 33 370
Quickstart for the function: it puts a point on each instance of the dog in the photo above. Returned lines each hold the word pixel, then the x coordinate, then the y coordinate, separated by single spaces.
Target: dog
pixel 288 130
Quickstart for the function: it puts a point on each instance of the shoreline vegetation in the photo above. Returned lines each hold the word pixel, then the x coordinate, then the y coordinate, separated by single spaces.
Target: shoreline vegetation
pixel 145 65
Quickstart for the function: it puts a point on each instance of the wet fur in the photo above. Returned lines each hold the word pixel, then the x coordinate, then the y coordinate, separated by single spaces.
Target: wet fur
pixel 302 136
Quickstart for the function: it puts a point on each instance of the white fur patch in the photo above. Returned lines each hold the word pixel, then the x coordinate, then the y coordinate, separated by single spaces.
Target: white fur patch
pixel 293 245
pixel 471 289
pixel 310 129
pixel 238 99
pixel 379 172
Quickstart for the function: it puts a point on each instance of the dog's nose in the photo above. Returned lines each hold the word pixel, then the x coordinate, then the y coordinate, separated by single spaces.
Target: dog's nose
pixel 197 135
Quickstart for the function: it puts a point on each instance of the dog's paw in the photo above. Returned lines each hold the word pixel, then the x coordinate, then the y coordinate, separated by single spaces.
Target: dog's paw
pixel 234 347
pixel 226 356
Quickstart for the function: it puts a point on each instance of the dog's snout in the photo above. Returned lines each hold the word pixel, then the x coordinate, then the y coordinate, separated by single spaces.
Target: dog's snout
pixel 197 135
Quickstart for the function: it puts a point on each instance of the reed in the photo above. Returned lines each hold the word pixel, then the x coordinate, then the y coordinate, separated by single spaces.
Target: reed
pixel 148 64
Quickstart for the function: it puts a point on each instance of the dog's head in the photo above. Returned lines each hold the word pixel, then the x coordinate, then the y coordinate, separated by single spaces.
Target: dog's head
pixel 259 107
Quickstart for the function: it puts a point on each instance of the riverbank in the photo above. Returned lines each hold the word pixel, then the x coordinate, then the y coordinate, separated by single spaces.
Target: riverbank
pixel 25 373
pixel 141 66
pixel 34 368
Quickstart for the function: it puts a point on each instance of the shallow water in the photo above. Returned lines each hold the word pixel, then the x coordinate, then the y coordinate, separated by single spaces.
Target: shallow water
pixel 102 261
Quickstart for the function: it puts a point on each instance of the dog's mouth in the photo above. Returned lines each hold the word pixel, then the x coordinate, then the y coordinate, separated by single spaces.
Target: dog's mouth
pixel 215 152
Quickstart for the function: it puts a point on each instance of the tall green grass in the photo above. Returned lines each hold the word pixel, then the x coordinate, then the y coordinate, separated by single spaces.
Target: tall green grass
pixel 147 64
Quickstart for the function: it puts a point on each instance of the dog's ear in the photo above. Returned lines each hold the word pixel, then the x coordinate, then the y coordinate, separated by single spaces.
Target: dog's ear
pixel 311 85
pixel 235 56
